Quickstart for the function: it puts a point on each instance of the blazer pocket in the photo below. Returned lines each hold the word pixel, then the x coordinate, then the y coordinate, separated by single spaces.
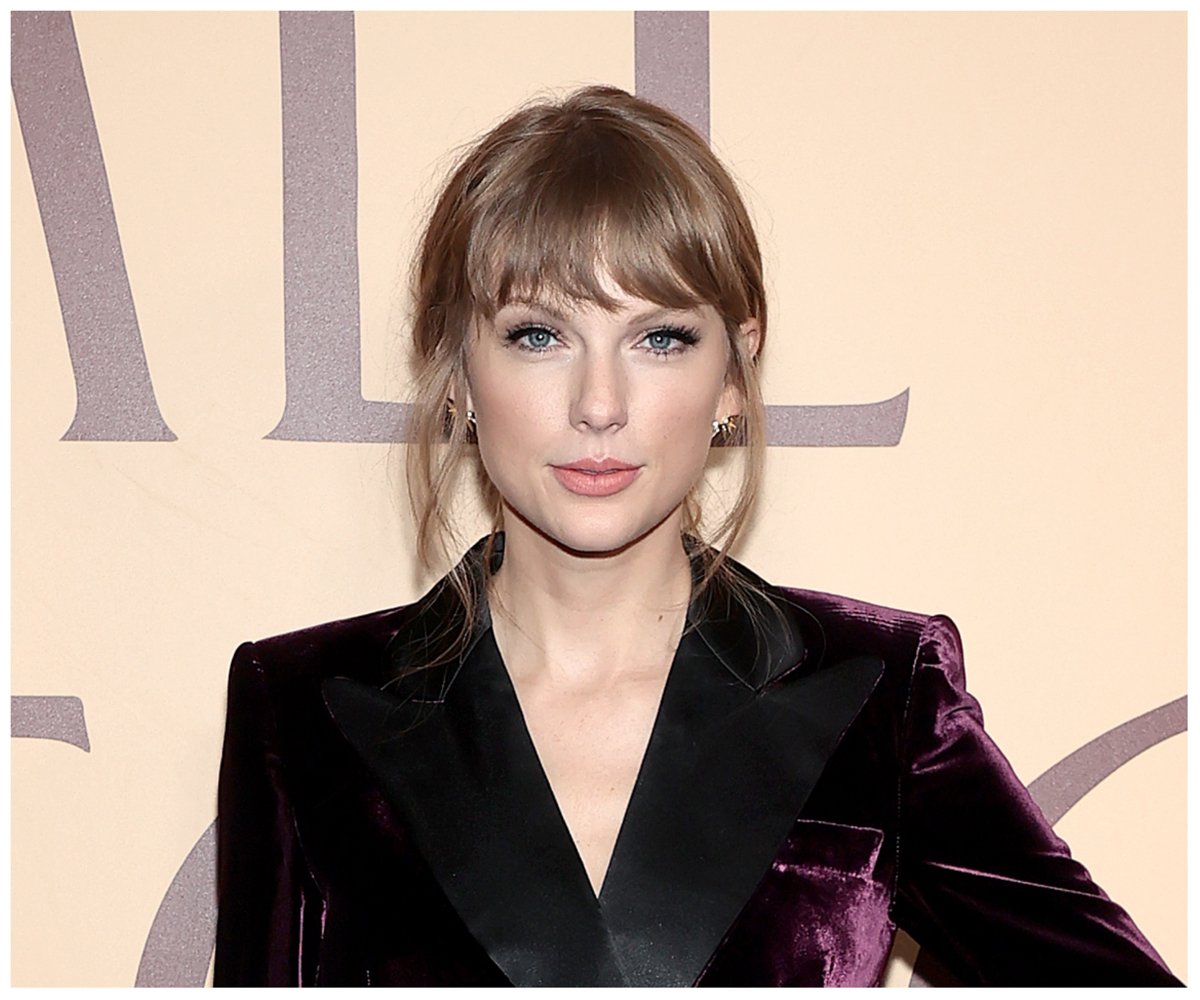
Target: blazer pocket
pixel 818 918
pixel 819 845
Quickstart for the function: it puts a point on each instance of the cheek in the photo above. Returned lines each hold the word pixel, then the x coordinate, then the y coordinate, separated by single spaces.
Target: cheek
pixel 680 427
pixel 506 396
pixel 688 408
pixel 514 418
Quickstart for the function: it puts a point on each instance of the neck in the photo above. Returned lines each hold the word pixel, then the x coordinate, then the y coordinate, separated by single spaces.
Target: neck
pixel 590 618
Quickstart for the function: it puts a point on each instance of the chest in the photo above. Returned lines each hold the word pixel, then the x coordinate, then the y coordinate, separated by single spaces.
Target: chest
pixel 380 916
pixel 714 780
pixel 591 744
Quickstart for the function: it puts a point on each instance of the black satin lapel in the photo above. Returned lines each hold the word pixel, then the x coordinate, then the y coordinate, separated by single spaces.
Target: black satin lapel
pixel 465 776
pixel 728 770
pixel 748 719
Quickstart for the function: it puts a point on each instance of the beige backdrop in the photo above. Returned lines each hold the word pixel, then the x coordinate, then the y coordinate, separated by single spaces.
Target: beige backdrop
pixel 988 210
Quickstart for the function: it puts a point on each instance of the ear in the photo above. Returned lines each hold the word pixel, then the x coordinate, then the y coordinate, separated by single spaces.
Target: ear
pixel 731 401
pixel 751 334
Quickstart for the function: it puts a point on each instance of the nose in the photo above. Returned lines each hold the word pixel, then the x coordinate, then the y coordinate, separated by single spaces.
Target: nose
pixel 599 394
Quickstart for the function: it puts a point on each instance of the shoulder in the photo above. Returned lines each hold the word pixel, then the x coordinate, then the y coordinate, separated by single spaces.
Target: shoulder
pixel 834 628
pixel 355 647
pixel 923 676
pixel 850 612
pixel 852 627
pixel 922 653
pixel 275 698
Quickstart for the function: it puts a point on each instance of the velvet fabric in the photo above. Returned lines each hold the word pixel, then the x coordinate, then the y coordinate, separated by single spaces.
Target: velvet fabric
pixel 800 798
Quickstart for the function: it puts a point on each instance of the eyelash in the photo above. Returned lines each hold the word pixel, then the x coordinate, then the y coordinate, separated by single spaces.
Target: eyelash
pixel 682 336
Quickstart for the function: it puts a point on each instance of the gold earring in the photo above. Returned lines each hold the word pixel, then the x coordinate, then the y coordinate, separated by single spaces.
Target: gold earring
pixel 452 412
pixel 726 428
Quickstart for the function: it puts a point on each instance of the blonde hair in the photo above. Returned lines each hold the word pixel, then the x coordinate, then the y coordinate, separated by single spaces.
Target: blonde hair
pixel 557 193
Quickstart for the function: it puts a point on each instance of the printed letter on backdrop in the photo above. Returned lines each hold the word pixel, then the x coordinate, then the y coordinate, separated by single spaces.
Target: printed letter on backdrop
pixel 114 395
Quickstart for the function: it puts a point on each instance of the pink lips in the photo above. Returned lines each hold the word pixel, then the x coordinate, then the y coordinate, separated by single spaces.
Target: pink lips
pixel 596 477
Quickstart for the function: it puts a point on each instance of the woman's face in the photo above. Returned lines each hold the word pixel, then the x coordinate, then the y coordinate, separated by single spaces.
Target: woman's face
pixel 594 425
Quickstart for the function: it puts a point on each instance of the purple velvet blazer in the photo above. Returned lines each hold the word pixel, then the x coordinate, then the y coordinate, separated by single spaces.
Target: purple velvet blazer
pixel 799 800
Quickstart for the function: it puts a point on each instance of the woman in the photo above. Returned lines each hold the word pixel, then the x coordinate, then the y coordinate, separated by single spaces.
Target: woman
pixel 600 752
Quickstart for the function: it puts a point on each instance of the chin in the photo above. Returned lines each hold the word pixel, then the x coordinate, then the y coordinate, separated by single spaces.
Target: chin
pixel 595 533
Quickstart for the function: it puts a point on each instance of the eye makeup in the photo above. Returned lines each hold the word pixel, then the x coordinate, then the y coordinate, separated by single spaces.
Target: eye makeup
pixel 664 340
pixel 670 339
pixel 533 337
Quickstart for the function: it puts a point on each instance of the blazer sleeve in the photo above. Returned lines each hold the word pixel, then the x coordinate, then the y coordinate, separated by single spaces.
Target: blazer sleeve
pixel 983 881
pixel 264 891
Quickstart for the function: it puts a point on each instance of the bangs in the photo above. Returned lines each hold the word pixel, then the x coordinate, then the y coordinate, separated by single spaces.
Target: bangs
pixel 593 204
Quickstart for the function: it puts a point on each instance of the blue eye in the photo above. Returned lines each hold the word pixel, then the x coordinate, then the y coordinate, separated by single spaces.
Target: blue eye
pixel 670 340
pixel 532 338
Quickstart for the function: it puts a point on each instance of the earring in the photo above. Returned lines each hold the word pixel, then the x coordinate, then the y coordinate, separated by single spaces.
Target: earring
pixel 726 428
pixel 452 412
